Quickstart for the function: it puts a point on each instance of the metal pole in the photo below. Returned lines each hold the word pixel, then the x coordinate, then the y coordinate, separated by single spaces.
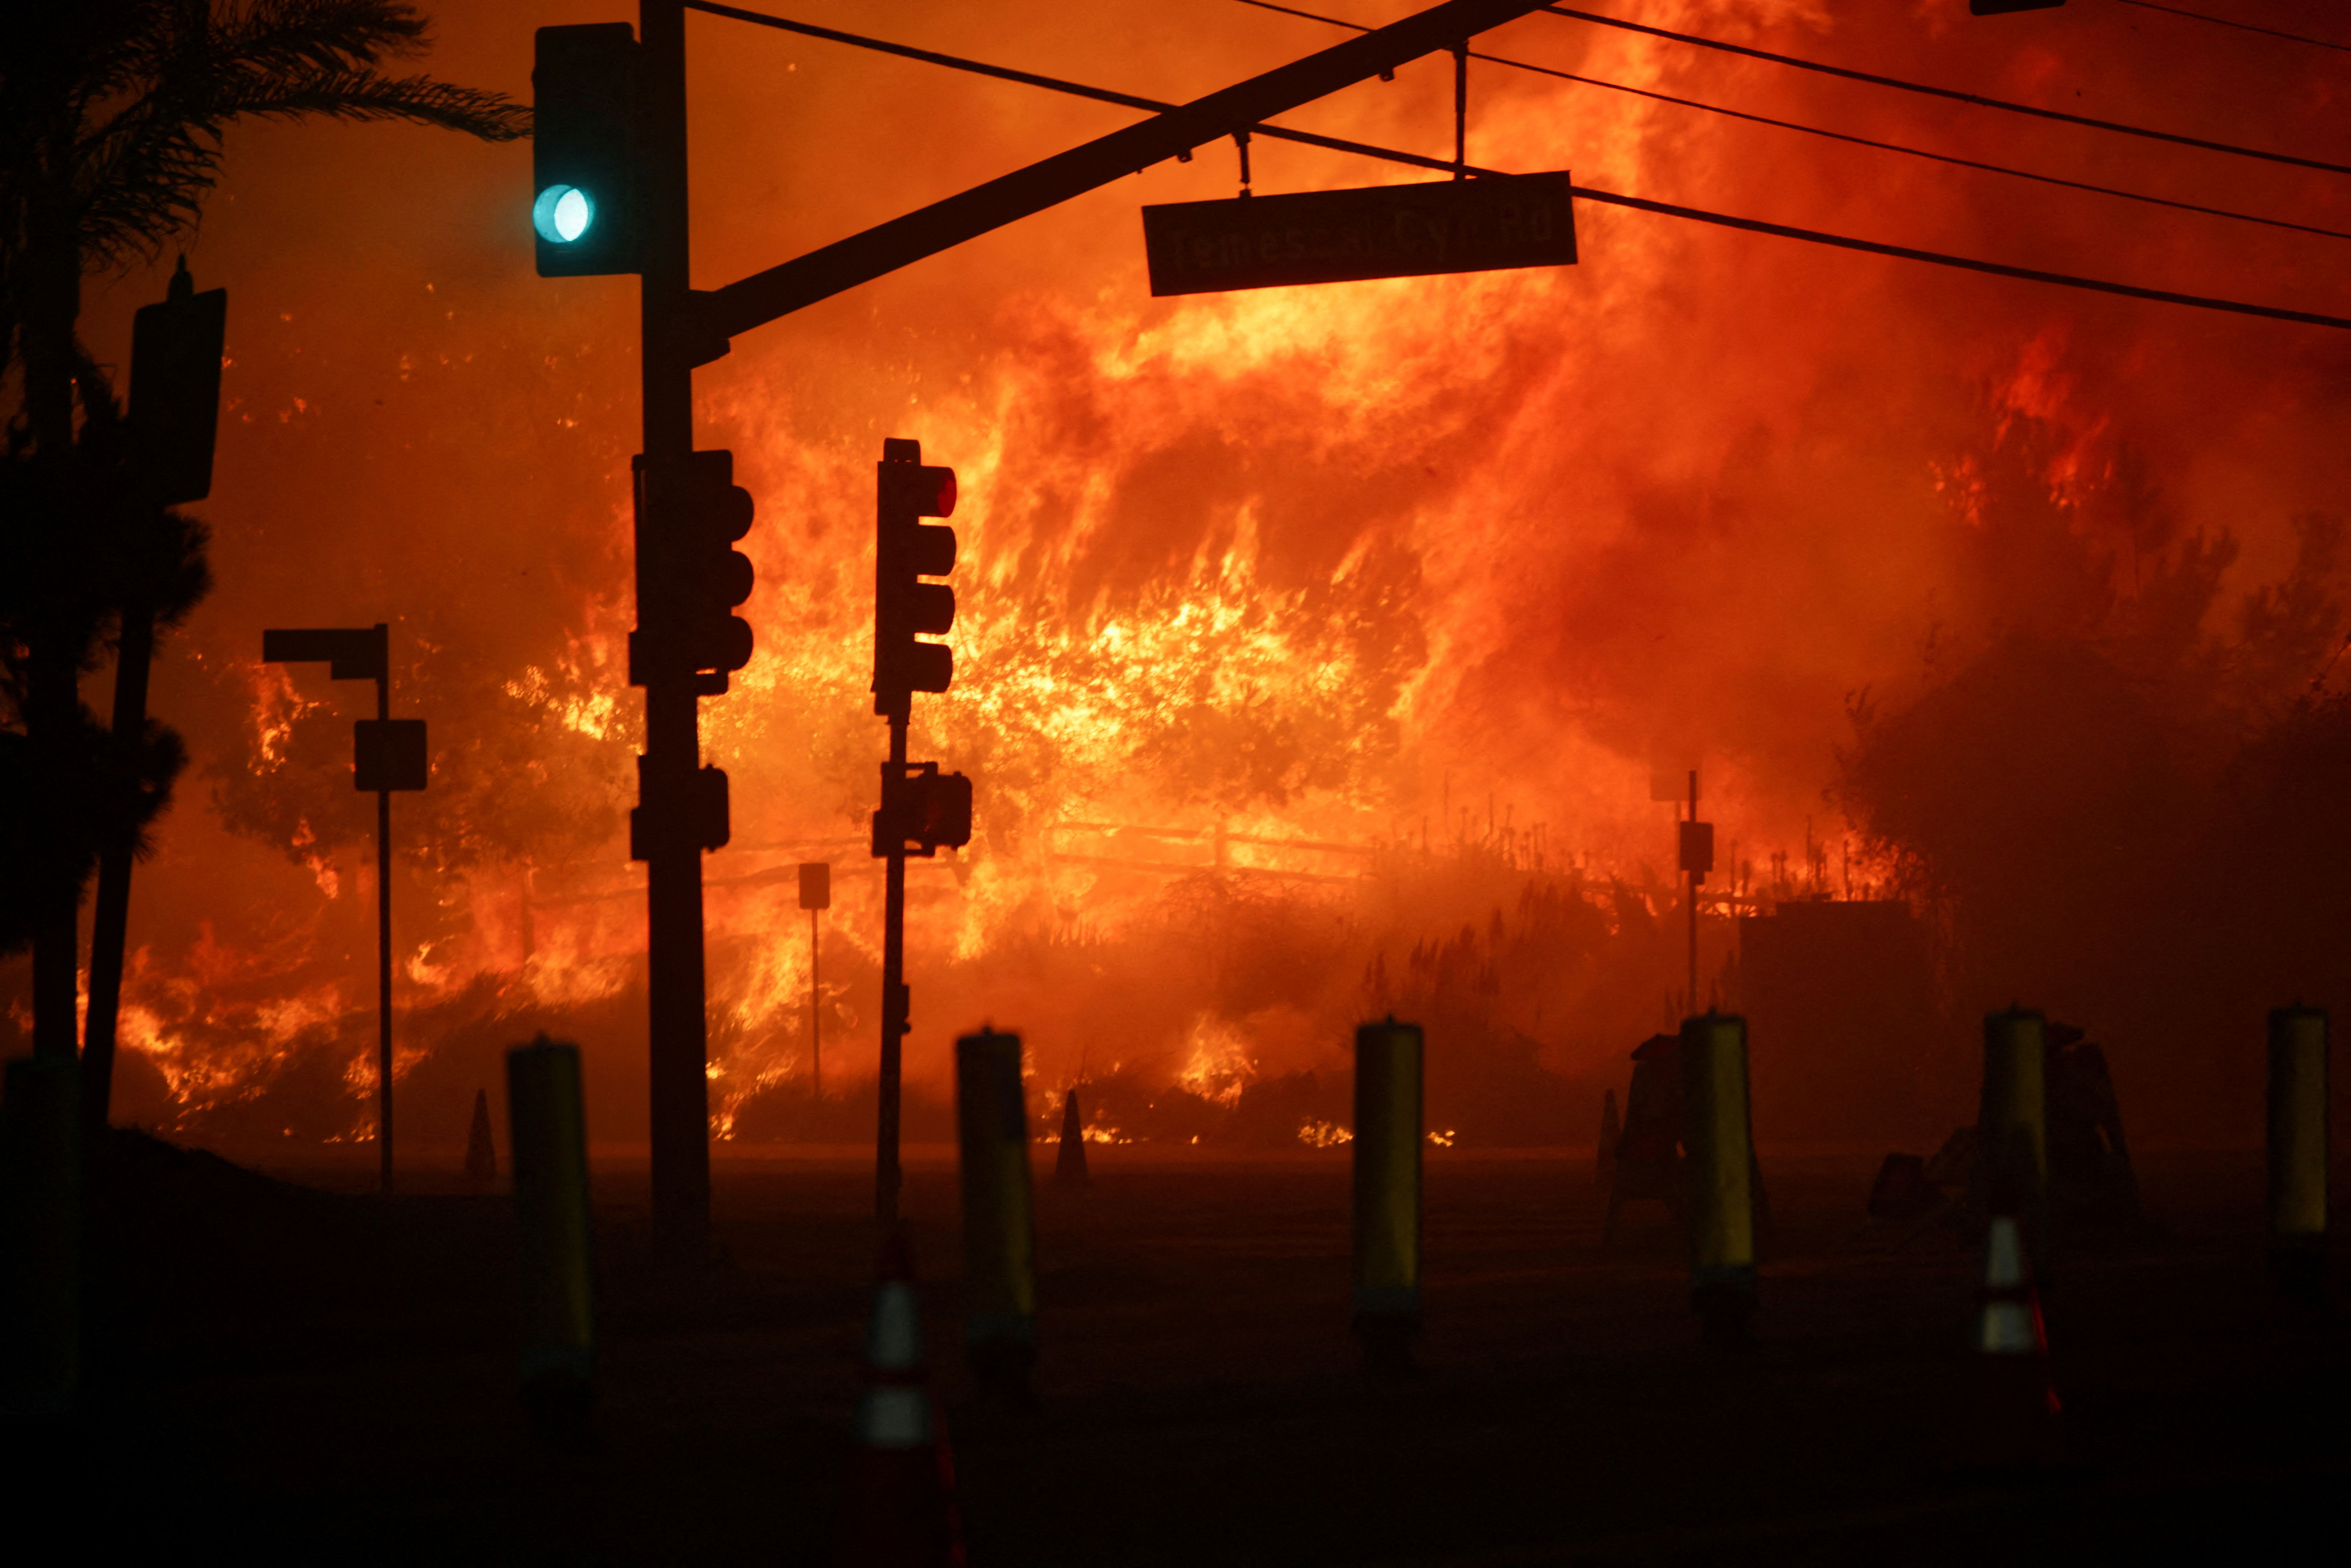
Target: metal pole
pixel 111 921
pixel 384 945
pixel 677 1046
pixel 1461 110
pixel 895 1001
pixel 816 1036
pixel 1693 904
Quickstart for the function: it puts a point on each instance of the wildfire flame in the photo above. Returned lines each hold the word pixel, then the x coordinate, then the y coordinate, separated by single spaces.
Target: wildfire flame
pixel 1295 627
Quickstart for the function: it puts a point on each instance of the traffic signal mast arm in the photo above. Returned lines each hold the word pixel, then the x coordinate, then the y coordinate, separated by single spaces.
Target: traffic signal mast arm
pixel 764 297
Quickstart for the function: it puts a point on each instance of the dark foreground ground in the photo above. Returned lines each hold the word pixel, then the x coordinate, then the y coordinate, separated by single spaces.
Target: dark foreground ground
pixel 299 1375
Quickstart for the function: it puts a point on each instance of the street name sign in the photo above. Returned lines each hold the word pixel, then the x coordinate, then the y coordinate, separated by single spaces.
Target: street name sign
pixel 1339 236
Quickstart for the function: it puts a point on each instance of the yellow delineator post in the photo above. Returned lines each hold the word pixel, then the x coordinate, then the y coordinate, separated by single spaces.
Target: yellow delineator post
pixel 2012 1127
pixel 999 1236
pixel 1718 1146
pixel 2298 1138
pixel 41 1237
pixel 547 1145
pixel 1386 1148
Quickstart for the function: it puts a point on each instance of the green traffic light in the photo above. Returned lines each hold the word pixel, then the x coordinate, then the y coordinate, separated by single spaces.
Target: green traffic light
pixel 562 214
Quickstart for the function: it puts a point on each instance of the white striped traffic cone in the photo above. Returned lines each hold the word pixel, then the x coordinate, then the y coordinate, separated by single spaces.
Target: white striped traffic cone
pixel 899 1509
pixel 2015 1423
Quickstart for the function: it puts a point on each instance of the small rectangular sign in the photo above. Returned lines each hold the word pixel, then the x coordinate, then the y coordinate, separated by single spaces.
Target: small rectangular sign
pixel 388 754
pixel 1698 848
pixel 1341 237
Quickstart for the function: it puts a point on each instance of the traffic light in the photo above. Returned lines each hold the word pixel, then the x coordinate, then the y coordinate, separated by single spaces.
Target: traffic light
pixel 694 815
pixel 689 576
pixel 925 808
pixel 2002 7
pixel 907 549
pixel 175 383
pixel 583 211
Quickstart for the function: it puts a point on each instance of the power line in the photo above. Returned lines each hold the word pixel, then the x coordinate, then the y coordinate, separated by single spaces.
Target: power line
pixel 1977 98
pixel 1841 136
pixel 1030 78
pixel 2245 27
pixel 1609 198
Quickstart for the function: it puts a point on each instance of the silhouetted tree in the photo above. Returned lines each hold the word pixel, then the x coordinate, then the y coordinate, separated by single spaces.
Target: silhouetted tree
pixel 111 117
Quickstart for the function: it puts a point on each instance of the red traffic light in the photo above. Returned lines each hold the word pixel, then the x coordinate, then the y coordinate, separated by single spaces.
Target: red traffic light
pixel 906 550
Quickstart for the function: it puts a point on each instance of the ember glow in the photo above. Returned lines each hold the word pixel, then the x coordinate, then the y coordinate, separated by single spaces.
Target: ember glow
pixel 1316 646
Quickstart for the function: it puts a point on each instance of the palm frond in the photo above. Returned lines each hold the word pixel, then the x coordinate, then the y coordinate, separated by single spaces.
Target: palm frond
pixel 154 86
pixel 364 95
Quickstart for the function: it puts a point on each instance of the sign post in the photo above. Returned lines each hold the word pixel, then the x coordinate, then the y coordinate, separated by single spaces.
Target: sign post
pixel 387 753
pixel 816 894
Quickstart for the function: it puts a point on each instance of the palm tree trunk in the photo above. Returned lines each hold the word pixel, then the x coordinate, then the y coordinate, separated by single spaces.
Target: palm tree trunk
pixel 53 698
pixel 109 929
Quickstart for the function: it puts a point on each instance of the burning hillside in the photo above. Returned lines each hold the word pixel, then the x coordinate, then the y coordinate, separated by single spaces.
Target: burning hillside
pixel 1316 645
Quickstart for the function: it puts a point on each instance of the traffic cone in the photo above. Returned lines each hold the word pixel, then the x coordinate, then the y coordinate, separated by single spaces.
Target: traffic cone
pixel 2016 1406
pixel 1070 1165
pixel 899 1509
pixel 481 1154
pixel 1611 1133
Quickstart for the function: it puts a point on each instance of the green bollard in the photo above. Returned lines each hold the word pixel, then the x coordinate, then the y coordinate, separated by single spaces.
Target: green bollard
pixel 2298 1104
pixel 547 1146
pixel 1718 1145
pixel 999 1233
pixel 41 1208
pixel 2012 1127
pixel 1386 1149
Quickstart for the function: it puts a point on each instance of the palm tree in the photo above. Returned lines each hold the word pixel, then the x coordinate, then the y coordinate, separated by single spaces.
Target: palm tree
pixel 111 119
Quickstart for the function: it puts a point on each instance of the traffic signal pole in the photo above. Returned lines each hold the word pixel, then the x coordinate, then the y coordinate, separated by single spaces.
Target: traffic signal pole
pixel 897 1002
pixel 611 139
pixel 679 1085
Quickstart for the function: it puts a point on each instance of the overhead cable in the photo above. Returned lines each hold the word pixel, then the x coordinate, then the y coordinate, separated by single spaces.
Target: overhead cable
pixel 1841 136
pixel 2243 26
pixel 1027 78
pixel 1609 198
pixel 1977 98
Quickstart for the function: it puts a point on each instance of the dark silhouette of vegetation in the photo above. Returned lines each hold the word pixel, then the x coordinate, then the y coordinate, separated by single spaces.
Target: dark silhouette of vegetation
pixel 113 114
pixel 2124 800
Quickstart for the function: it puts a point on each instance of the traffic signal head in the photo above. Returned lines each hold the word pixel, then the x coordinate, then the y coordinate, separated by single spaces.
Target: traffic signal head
pixel 689 578
pixel 2002 7
pixel 583 210
pixel 922 811
pixel 175 381
pixel 907 549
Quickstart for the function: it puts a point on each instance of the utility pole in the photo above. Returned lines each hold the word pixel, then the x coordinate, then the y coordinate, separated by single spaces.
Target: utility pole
pixel 1695 874
pixel 1697 857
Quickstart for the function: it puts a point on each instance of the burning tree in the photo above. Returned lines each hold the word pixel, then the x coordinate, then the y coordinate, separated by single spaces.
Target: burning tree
pixel 114 113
